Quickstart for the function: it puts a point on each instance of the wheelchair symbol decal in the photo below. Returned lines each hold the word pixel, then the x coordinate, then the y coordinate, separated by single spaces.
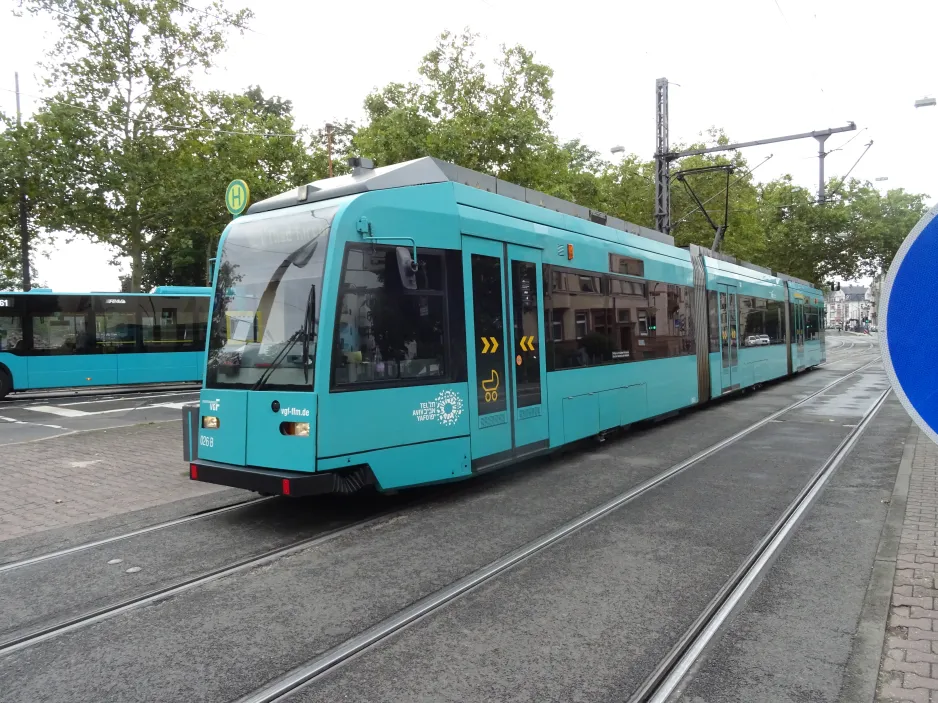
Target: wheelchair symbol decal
pixel 490 386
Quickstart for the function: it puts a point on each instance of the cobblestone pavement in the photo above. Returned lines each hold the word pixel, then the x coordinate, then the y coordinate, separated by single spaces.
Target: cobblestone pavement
pixel 909 669
pixel 90 475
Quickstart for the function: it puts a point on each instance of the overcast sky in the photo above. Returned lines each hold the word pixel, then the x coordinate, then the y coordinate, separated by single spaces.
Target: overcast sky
pixel 756 68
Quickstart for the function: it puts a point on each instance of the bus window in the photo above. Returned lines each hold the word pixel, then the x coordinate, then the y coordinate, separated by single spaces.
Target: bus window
pixel 11 333
pixel 60 325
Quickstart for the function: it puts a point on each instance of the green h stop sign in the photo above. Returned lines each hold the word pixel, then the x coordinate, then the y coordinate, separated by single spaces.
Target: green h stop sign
pixel 237 196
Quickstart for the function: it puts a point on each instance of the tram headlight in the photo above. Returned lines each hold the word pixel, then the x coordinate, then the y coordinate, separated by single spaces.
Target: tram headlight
pixel 210 422
pixel 295 429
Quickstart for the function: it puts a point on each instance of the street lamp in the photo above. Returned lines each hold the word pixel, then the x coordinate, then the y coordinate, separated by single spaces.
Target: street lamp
pixel 617 150
pixel 925 102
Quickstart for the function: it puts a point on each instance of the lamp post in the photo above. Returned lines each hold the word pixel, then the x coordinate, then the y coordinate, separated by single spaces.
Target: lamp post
pixel 925 102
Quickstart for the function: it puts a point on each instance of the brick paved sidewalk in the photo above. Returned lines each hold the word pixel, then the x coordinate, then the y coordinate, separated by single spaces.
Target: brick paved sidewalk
pixel 909 669
pixel 89 475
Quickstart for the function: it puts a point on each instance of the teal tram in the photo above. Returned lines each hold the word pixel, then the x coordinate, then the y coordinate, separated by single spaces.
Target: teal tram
pixel 420 323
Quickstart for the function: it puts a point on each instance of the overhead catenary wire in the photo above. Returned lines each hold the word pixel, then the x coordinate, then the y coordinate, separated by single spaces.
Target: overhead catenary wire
pixel 166 127
pixel 846 142
pixel 720 192
pixel 844 179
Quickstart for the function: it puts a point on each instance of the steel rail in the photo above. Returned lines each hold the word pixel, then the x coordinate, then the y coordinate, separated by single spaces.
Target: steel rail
pixel 674 667
pixel 282 686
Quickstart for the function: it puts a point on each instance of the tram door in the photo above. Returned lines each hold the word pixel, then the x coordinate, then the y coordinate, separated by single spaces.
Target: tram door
pixel 729 336
pixel 504 309
pixel 798 324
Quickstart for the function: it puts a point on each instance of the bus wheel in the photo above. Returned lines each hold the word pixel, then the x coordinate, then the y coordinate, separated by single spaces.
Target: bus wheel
pixel 6 384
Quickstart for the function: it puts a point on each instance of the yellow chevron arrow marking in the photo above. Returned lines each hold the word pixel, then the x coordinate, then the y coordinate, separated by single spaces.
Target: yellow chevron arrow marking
pixel 485 345
pixel 494 344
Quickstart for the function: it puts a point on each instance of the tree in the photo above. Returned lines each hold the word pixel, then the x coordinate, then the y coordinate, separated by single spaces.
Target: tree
pixel 456 113
pixel 121 73
pixel 246 136
pixel 17 167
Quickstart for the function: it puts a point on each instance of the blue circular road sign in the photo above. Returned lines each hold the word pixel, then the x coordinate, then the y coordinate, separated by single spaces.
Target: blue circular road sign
pixel 907 324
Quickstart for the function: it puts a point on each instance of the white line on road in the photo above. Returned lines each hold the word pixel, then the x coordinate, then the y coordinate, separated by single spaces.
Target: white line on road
pixel 34 424
pixel 115 399
pixel 53 410
pixel 68 412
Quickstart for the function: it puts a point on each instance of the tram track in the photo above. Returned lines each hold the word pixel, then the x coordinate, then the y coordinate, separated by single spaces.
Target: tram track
pixel 281 688
pixel 41 634
pixel 12 565
pixel 46 632
pixel 677 666
pixel 68 551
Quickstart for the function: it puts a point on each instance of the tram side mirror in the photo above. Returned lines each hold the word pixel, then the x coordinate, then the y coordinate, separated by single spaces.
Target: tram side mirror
pixel 407 267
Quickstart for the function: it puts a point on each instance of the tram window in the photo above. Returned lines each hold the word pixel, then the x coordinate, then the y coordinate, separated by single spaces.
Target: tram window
pixel 582 323
pixel 622 286
pixel 753 314
pixel 714 321
pixel 626 265
pixel 556 325
pixel 666 325
pixel 60 325
pixel 775 321
pixel 811 324
pixel 528 364
pixel 386 333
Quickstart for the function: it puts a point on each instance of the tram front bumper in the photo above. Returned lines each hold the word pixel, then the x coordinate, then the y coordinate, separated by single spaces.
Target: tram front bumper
pixel 268 481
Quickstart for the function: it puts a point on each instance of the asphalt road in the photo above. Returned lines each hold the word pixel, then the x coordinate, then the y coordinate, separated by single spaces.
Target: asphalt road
pixel 24 419
pixel 793 641
pixel 584 620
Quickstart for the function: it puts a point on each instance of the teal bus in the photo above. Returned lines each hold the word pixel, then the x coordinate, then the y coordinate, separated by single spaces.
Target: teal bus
pixel 65 340
pixel 420 323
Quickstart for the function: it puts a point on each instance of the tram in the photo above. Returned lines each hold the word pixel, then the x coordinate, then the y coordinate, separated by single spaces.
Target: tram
pixel 420 323
pixel 65 340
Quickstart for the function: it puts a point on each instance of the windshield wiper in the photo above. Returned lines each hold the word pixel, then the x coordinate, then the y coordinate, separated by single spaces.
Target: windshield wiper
pixel 277 359
pixel 308 322
pixel 305 330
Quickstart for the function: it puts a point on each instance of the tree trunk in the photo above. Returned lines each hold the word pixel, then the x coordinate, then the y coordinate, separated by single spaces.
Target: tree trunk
pixel 136 249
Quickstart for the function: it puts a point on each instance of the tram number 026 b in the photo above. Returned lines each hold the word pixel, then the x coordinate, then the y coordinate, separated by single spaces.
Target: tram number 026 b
pixel 206 441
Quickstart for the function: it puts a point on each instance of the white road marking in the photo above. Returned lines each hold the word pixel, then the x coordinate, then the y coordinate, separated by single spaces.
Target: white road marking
pixel 83 464
pixel 33 424
pixel 54 410
pixel 68 412
pixel 115 399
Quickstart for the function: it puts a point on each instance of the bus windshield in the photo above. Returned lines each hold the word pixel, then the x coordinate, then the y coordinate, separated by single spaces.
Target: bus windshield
pixel 266 306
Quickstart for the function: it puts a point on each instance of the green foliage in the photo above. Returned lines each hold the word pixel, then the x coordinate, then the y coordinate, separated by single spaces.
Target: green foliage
pixel 244 136
pixel 457 113
pixel 121 75
pixel 127 153
pixel 18 169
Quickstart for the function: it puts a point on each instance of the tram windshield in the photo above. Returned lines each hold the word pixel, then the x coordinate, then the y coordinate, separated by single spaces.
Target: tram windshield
pixel 266 308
